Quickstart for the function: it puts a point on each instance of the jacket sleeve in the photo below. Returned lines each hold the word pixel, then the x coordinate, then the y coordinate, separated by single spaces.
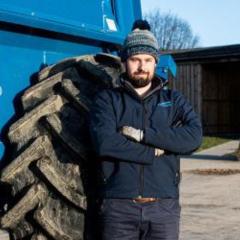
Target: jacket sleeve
pixel 108 141
pixel 180 139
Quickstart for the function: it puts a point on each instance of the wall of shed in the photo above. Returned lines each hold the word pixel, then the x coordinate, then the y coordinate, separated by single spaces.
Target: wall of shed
pixel 221 98
pixel 188 81
pixel 213 89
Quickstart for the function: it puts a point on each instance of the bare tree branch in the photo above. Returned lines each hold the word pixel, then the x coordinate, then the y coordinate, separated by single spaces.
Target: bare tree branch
pixel 171 31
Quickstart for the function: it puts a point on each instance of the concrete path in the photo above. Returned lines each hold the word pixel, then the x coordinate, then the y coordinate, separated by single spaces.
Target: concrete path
pixel 4 235
pixel 222 149
pixel 210 197
pixel 215 157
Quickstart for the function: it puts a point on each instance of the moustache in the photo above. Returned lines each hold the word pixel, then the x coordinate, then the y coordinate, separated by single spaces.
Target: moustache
pixel 141 72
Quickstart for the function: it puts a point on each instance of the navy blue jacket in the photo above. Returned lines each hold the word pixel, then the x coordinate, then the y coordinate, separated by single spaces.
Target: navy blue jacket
pixel 131 169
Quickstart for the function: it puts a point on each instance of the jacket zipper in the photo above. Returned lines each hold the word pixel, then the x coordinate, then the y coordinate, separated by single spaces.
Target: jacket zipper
pixel 142 166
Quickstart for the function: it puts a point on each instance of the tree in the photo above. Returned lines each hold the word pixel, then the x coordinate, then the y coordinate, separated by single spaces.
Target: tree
pixel 171 31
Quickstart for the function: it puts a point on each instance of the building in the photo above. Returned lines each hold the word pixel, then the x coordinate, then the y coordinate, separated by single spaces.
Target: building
pixel 210 79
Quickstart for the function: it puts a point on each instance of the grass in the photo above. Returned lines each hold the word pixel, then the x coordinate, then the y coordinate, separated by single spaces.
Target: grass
pixel 212 141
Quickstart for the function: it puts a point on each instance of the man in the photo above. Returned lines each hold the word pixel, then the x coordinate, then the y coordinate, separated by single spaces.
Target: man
pixel 138 130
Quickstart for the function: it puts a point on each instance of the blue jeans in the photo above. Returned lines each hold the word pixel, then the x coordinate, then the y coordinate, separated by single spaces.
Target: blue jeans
pixel 124 219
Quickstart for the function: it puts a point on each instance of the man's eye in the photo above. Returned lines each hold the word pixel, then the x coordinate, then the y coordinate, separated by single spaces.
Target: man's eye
pixel 134 60
pixel 149 60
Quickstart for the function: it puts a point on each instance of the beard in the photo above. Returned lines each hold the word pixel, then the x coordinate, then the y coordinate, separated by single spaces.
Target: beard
pixel 138 80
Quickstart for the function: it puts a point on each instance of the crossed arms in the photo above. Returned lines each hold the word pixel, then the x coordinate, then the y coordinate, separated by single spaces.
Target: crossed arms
pixel 141 145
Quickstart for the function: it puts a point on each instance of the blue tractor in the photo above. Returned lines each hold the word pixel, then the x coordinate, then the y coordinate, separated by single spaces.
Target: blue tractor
pixel 55 56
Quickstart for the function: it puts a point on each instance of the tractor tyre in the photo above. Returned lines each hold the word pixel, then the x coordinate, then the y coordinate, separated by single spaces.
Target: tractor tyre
pixel 52 172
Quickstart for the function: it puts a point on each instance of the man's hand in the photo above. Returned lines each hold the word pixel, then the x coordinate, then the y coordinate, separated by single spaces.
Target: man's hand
pixel 158 152
pixel 137 135
pixel 132 133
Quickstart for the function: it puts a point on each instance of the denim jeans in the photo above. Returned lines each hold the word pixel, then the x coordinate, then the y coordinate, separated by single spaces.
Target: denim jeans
pixel 124 219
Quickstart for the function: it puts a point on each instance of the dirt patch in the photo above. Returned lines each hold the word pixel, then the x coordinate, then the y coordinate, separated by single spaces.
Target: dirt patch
pixel 201 206
pixel 236 208
pixel 213 171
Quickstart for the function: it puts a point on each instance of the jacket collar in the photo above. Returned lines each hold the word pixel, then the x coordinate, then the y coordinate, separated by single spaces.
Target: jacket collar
pixel 157 84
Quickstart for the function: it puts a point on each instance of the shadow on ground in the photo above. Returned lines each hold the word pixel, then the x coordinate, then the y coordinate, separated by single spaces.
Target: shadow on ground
pixel 227 157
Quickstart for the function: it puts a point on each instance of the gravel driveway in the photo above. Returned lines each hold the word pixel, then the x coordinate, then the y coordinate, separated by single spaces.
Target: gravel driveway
pixel 210 199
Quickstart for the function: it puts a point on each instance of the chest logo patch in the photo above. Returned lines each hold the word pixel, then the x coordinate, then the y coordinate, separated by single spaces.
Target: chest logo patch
pixel 165 104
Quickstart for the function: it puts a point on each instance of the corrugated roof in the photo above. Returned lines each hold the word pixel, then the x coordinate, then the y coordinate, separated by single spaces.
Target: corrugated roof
pixel 227 51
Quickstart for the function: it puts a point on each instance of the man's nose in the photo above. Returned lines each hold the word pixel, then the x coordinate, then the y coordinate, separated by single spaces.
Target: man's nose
pixel 141 65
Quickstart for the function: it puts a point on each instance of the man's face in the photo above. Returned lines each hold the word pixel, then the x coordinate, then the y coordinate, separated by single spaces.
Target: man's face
pixel 140 69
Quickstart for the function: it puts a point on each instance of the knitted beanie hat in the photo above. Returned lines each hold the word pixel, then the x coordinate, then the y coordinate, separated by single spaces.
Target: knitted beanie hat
pixel 140 40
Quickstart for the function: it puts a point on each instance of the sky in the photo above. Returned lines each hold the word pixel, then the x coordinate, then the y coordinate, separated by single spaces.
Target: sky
pixel 216 22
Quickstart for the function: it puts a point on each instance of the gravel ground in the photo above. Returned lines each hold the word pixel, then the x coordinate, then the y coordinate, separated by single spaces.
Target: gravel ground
pixel 210 203
pixel 210 207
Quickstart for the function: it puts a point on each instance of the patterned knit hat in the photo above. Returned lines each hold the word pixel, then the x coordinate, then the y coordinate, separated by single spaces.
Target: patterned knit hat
pixel 140 40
